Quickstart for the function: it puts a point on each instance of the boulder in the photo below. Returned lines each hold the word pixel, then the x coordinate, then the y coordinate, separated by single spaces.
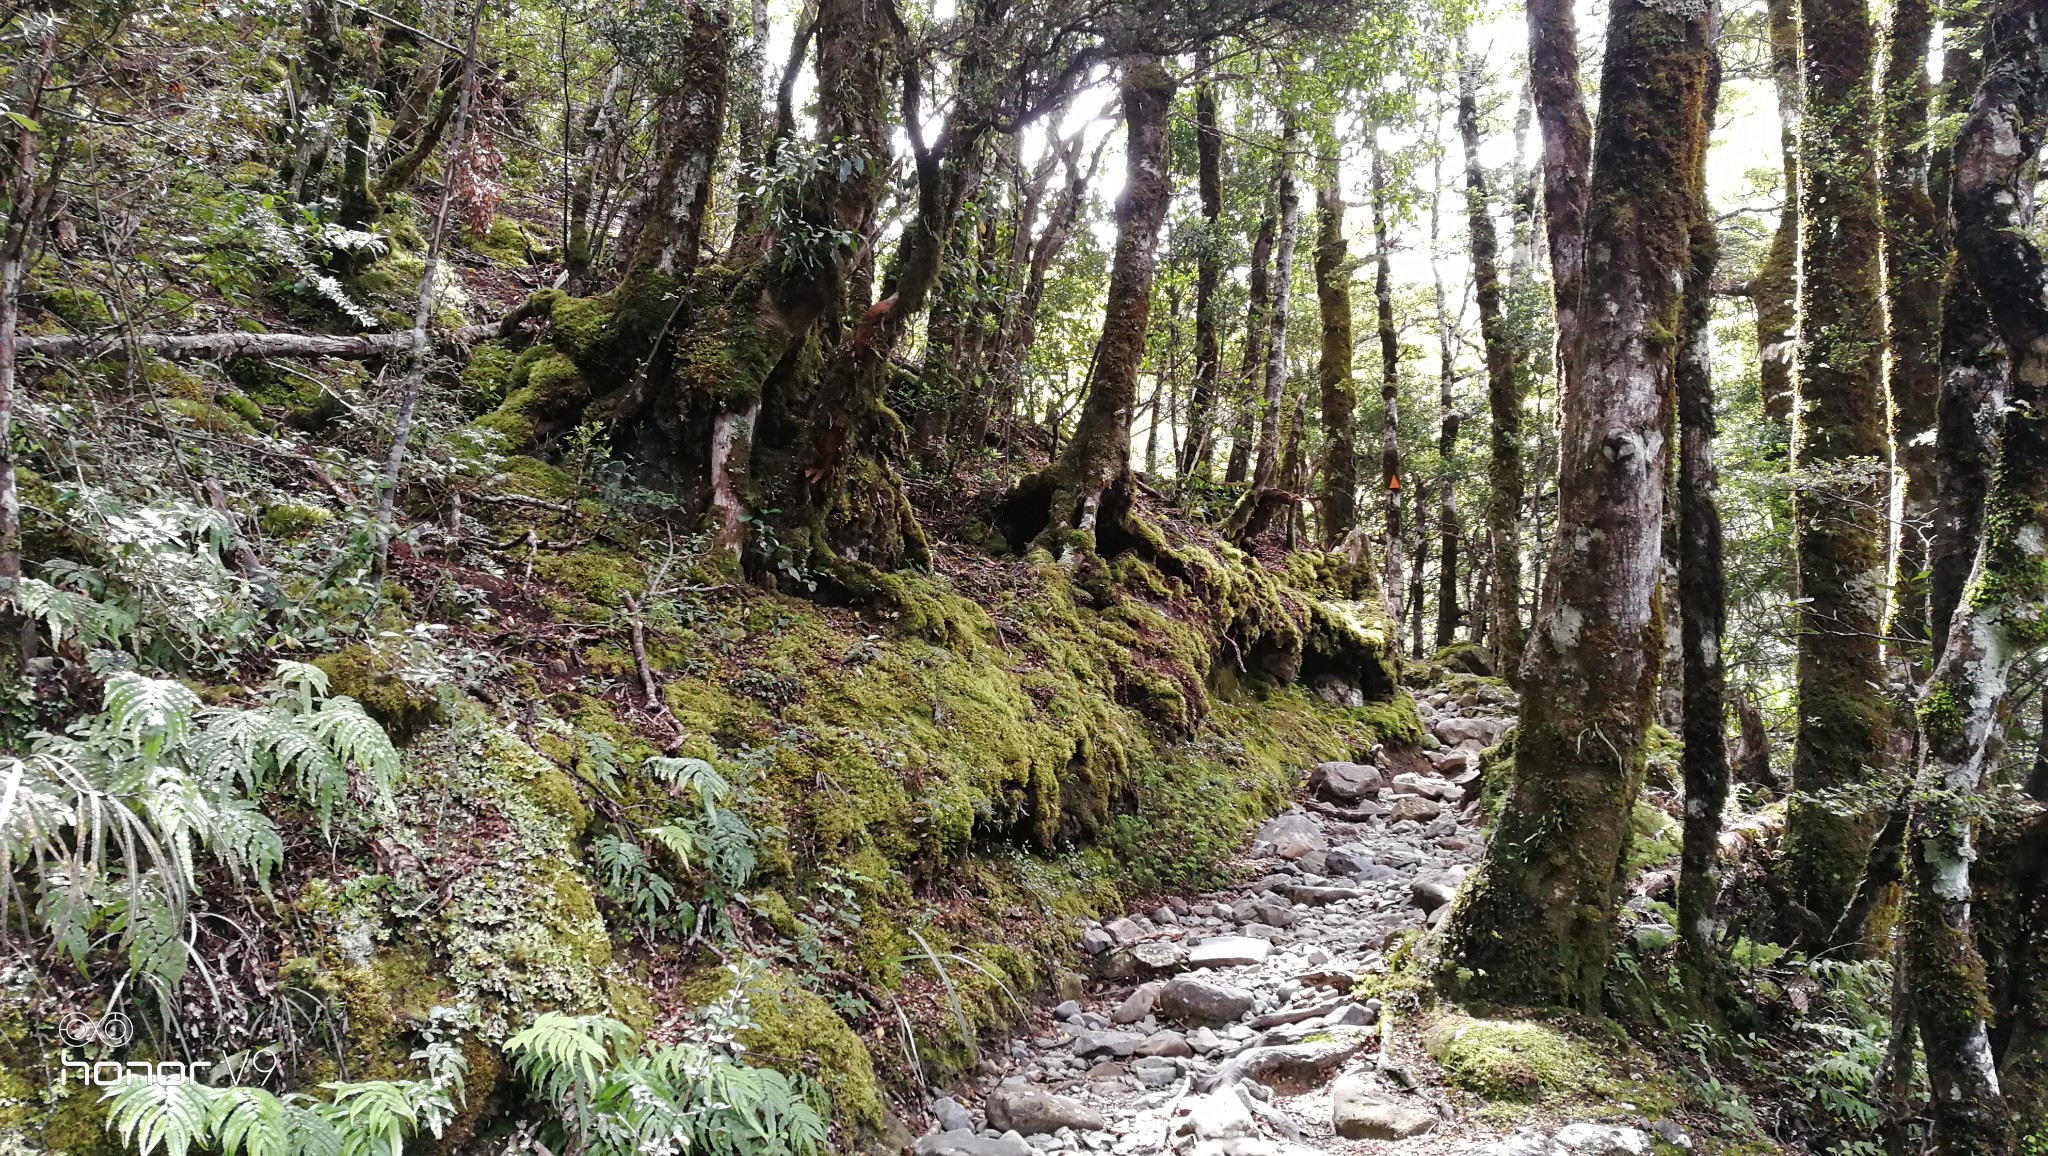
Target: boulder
pixel 961 1142
pixel 1484 730
pixel 1343 861
pixel 1124 931
pixel 1067 1010
pixel 1218 1116
pixel 1154 1071
pixel 1316 894
pixel 1192 999
pixel 952 1115
pixel 1414 807
pixel 1430 894
pixel 1095 941
pixel 1352 1015
pixel 1292 835
pixel 1347 782
pixel 1036 1112
pixel 1137 1005
pixel 1599 1140
pixel 1159 954
pixel 1291 1069
pixel 1166 1043
pixel 1106 1070
pixel 1360 1111
pixel 1428 786
pixel 1229 951
pixel 1087 1044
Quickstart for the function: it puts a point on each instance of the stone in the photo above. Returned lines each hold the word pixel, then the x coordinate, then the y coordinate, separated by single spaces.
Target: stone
pixel 1486 731
pixel 1106 1070
pixel 1154 1071
pixel 1116 965
pixel 1292 1015
pixel 1067 1010
pixel 1275 914
pixel 1317 894
pixel 1430 894
pixel 1159 954
pixel 1414 807
pixel 1346 861
pixel 1599 1140
pixel 961 1142
pixel 1347 782
pixel 1229 951
pixel 1165 1043
pixel 1195 1000
pixel 952 1115
pixel 1088 1044
pixel 1124 931
pixel 1137 1005
pixel 1427 786
pixel 1292 835
pixel 1291 1069
pixel 1672 1134
pixel 1360 1111
pixel 1265 931
pixel 1218 1116
pixel 1524 1142
pixel 1037 1112
pixel 1095 941
pixel 1352 1015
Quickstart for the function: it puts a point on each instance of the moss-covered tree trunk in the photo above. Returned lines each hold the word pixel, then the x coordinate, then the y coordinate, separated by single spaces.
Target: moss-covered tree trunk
pixel 1567 153
pixel 1244 418
pixel 1702 597
pixel 1839 452
pixel 1021 328
pixel 1333 371
pixel 1208 276
pixel 2004 609
pixel 1915 265
pixel 1503 391
pixel 1096 464
pixel 1396 579
pixel 1774 290
pixel 1289 200
pixel 1535 925
pixel 664 230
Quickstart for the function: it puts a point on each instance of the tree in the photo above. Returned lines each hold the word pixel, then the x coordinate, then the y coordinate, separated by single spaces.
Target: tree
pixel 1289 200
pixel 1774 290
pixel 1449 420
pixel 1258 304
pixel 1535 924
pixel 1208 275
pixel 1838 450
pixel 1390 392
pixel 1504 375
pixel 1333 371
pixel 1066 502
pixel 2004 609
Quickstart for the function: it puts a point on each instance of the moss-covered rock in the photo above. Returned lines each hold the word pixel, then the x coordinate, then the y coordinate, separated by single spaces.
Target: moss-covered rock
pixel 364 675
pixel 1533 1061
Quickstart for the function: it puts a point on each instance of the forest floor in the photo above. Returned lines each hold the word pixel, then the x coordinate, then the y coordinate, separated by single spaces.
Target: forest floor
pixel 1241 1022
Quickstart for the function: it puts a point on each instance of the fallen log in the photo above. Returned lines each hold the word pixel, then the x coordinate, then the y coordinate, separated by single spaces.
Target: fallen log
pixel 354 346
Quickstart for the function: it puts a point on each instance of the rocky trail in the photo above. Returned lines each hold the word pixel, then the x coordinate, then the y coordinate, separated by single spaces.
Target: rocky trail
pixel 1226 1024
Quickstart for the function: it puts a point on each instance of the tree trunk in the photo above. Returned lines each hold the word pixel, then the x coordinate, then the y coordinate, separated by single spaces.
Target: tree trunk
pixel 1535 925
pixel 580 247
pixel 2004 610
pixel 1448 421
pixel 1702 593
pixel 1245 419
pixel 1567 154
pixel 1333 372
pixel 1838 451
pixel 1022 329
pixel 1774 290
pixel 1096 463
pixel 1390 409
pixel 1503 392
pixel 667 226
pixel 1276 317
pixel 1915 265
pixel 1208 275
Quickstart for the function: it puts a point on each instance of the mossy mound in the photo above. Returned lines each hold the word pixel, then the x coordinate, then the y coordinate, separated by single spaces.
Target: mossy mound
pixel 364 675
pixel 1534 1061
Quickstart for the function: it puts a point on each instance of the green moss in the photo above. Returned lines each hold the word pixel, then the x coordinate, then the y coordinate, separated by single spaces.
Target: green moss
pixel 77 308
pixel 504 242
pixel 1529 1061
pixel 797 1032
pixel 1654 839
pixel 361 674
pixel 580 325
pixel 487 376
pixel 293 519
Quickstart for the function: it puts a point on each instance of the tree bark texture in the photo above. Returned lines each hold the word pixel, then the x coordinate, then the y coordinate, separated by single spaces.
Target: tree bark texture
pixel 1774 291
pixel 1916 266
pixel 1567 157
pixel 1333 371
pixel 1244 425
pixel 1504 375
pixel 2004 608
pixel 1839 452
pixel 1396 582
pixel 1208 276
pixel 1535 926
pixel 1276 318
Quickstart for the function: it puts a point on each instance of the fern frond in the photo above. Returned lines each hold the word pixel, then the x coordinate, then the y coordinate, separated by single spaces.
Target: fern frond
pixel 149 1115
pixel 565 1053
pixel 151 713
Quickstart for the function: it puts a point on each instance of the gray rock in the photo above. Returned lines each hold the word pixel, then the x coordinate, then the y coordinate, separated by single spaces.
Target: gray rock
pixel 952 1115
pixel 1291 1069
pixel 961 1142
pixel 1672 1134
pixel 1525 1142
pixel 1414 807
pixel 1265 931
pixel 1317 894
pixel 1159 954
pixel 1430 894
pixel 1426 786
pixel 1275 914
pixel 1165 917
pixel 1165 1043
pixel 1599 1140
pixel 1352 1016
pixel 1037 1112
pixel 1095 941
pixel 1195 1000
pixel 1292 835
pixel 1124 931
pixel 1348 782
pixel 1346 861
pixel 1067 1010
pixel 1360 1111
pixel 1486 731
pixel 1137 1005
pixel 1090 1043
pixel 1218 1116
pixel 1154 1071
pixel 1229 951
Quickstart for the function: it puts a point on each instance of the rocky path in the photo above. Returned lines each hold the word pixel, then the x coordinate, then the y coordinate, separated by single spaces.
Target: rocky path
pixel 1225 1024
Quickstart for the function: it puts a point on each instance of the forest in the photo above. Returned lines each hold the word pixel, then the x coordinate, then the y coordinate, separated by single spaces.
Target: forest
pixel 1023 577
